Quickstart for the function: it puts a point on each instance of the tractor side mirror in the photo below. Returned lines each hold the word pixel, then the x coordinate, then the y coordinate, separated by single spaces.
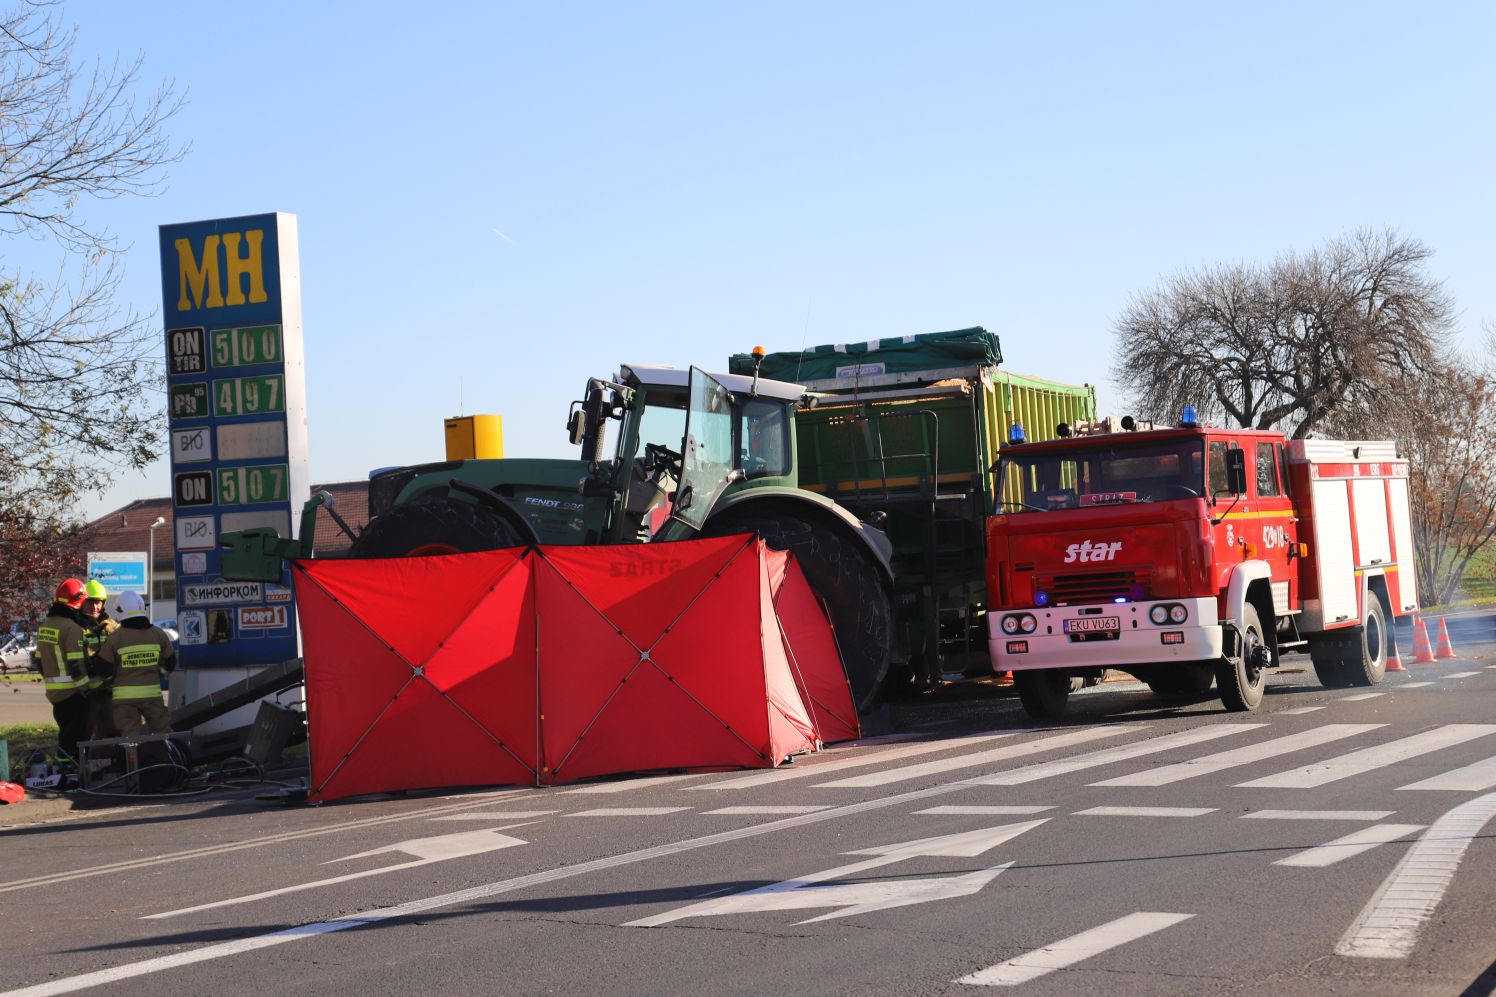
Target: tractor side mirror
pixel 576 427
pixel 1236 472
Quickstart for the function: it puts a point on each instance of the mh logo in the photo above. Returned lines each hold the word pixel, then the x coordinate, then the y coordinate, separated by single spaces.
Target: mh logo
pixel 203 279
pixel 1091 551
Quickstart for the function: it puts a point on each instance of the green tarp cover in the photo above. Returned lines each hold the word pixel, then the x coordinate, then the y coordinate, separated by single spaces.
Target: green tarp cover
pixel 897 355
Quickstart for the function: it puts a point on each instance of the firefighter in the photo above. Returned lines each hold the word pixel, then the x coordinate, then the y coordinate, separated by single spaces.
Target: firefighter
pixel 135 657
pixel 59 644
pixel 97 626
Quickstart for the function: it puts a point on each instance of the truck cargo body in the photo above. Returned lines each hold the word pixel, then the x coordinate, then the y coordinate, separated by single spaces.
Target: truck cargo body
pixel 902 438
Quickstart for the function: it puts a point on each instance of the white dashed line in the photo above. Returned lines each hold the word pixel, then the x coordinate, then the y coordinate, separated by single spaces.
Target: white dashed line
pixel 1388 926
pixel 1004 753
pixel 499 815
pixel 980 811
pixel 752 811
pixel 1471 778
pixel 1318 815
pixel 1460 675
pixel 1108 756
pixel 1298 711
pixel 1414 685
pixel 1239 756
pixel 1369 759
pixel 628 812
pixel 623 785
pixel 1360 696
pixel 1146 812
pixel 1077 948
pixel 819 768
pixel 1348 846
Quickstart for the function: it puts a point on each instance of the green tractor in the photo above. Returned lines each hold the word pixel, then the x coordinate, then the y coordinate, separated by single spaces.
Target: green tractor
pixel 692 454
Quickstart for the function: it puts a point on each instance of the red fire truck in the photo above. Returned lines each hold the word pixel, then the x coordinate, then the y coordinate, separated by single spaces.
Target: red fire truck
pixel 1195 555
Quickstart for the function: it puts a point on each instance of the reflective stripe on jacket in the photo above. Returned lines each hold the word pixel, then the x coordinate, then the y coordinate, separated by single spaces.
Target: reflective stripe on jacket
pixel 139 658
pixel 59 645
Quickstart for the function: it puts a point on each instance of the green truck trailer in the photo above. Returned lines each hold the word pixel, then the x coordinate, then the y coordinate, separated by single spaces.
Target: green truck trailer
pixel 877 480
pixel 904 433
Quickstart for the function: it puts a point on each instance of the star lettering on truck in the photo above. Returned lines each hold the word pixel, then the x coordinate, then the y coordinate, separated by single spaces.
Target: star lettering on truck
pixel 1092 551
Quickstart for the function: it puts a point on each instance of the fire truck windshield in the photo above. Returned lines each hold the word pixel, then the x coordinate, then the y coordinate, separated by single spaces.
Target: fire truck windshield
pixel 1105 473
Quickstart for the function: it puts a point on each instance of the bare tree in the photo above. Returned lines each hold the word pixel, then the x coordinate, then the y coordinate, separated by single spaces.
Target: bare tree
pixel 1289 346
pixel 81 387
pixel 1446 427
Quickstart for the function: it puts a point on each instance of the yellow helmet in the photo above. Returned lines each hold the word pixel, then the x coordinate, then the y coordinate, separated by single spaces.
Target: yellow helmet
pixel 95 590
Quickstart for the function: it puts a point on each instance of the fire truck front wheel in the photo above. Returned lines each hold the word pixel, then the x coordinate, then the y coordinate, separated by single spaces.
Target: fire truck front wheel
pixel 1043 693
pixel 1242 681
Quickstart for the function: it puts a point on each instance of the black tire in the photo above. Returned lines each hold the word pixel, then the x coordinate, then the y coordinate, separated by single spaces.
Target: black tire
pixel 1189 679
pixel 845 578
pixel 1043 693
pixel 437 525
pixel 1366 664
pixel 1243 681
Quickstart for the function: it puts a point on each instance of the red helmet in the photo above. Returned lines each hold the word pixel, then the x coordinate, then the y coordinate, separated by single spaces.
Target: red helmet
pixel 70 592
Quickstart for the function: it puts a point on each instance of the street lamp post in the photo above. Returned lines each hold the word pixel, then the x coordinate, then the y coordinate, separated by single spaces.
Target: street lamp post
pixel 150 562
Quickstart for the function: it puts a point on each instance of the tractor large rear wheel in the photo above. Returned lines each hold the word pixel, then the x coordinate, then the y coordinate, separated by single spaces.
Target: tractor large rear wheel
pixel 846 580
pixel 437 525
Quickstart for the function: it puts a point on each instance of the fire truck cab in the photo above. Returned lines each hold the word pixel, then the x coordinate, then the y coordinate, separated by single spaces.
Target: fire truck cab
pixel 1195 556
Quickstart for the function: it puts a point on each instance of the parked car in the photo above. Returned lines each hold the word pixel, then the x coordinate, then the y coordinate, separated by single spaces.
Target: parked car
pixel 17 652
pixel 170 626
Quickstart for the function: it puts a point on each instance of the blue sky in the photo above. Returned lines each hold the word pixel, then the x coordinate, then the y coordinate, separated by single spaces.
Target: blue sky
pixel 678 182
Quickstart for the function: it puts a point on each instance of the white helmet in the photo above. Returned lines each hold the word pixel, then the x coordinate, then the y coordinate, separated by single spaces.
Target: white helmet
pixel 128 605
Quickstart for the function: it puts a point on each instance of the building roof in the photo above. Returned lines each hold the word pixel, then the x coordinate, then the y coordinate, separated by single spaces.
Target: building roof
pixel 129 528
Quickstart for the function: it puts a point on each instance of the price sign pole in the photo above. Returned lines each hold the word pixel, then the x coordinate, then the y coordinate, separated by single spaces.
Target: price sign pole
pixel 231 294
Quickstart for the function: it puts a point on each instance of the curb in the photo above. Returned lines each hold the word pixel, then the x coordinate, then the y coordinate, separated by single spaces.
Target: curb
pixel 35 808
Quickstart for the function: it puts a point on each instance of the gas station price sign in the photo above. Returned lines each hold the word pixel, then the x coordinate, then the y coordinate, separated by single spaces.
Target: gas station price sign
pixel 236 381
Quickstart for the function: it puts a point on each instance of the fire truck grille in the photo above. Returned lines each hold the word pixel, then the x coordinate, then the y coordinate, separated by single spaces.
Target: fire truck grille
pixel 1100 586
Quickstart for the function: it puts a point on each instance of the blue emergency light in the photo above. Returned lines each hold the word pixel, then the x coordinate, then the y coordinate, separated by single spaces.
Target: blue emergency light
pixel 1015 433
pixel 1189 418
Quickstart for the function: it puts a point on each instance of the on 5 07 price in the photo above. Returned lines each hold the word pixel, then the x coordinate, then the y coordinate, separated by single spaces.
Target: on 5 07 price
pixel 248 485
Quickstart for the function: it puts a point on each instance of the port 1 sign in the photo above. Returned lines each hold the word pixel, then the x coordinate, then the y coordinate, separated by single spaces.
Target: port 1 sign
pixel 236 383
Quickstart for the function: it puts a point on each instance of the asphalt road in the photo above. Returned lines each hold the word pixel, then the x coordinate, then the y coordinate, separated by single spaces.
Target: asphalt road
pixel 1336 841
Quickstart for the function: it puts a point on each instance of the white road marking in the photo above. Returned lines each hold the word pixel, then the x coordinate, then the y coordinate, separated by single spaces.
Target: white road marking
pixel 426 851
pixel 207 953
pixel 499 815
pixel 1471 778
pixel 623 785
pixel 1077 948
pixel 1348 846
pixel 1460 675
pixel 628 812
pixel 1145 812
pixel 1207 764
pixel 1298 710
pixel 1360 696
pixel 975 811
pixel 863 897
pixel 1388 926
pixel 1414 685
pixel 1318 815
pixel 857 761
pixel 426 813
pixel 1368 759
pixel 1007 751
pixel 1108 756
pixel 751 811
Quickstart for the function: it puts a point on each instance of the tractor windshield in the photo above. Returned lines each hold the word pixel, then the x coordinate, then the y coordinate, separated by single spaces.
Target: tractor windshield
pixel 707 454
pixel 1104 474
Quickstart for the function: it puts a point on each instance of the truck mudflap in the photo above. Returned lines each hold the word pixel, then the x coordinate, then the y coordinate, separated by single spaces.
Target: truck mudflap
pixel 1115 635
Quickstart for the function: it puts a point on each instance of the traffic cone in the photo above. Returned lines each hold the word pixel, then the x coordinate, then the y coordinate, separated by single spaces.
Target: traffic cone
pixel 1394 660
pixel 1446 649
pixel 1423 653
